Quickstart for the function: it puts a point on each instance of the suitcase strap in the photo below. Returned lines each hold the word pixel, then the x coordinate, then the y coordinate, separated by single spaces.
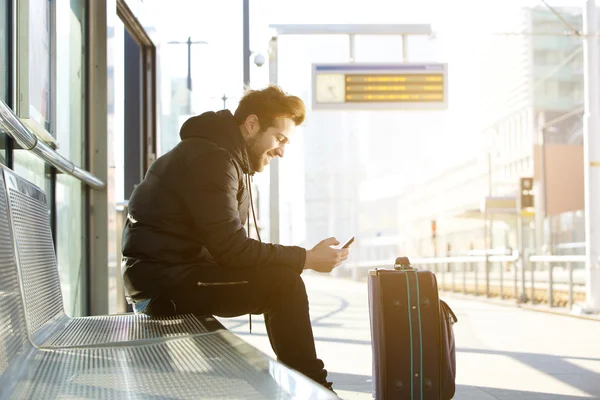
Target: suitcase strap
pixel 412 372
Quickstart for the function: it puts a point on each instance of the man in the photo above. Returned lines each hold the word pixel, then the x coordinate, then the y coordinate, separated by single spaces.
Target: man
pixel 184 244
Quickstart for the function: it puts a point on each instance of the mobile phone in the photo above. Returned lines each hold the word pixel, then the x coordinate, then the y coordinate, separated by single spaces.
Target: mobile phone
pixel 348 243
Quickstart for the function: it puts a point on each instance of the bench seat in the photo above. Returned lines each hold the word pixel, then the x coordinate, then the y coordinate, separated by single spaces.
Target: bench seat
pixel 112 329
pixel 45 354
pixel 212 366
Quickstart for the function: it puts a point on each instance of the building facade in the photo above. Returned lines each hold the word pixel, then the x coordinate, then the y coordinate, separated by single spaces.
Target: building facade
pixel 530 78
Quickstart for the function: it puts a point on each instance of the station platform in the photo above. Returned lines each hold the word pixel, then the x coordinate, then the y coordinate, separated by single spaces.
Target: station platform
pixel 503 352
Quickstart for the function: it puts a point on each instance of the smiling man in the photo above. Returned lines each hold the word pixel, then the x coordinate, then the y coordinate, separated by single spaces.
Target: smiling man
pixel 185 249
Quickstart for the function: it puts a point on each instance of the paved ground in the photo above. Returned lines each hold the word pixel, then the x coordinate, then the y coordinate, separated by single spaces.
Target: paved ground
pixel 502 352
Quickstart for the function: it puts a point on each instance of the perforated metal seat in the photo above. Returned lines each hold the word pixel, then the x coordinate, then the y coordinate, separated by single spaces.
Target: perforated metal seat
pixel 45 318
pixel 109 329
pixel 46 354
pixel 13 334
pixel 218 365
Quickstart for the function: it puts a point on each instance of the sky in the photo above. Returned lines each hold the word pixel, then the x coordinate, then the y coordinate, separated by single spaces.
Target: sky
pixel 217 65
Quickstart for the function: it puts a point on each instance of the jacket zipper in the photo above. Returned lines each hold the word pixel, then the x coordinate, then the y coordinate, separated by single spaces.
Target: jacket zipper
pixel 221 283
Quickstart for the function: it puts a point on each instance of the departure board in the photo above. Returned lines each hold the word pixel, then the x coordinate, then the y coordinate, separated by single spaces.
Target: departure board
pixel 380 86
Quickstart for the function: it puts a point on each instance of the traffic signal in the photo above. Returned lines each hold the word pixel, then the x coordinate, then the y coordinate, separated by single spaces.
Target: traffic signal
pixel 526 193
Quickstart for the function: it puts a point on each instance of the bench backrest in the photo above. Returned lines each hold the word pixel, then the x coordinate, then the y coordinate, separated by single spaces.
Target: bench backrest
pixel 13 333
pixel 35 257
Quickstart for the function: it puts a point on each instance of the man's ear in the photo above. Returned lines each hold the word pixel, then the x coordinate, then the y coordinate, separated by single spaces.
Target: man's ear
pixel 252 124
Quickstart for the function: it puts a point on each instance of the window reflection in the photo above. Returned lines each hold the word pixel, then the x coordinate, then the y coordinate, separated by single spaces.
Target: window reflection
pixel 4 65
pixel 39 62
pixel 69 127
pixel 116 126
pixel 34 169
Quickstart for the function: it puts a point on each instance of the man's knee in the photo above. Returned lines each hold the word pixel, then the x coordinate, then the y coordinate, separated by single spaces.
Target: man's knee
pixel 285 283
pixel 289 277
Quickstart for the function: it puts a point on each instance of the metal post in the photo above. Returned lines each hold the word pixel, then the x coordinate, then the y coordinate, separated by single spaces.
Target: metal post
pixel 500 264
pixel 570 272
pixel 472 267
pixel 487 260
pixel 224 98
pixel 404 48
pixel 246 43
pixel 189 44
pixel 550 283
pixel 485 247
pixel 99 146
pixel 274 166
pixel 464 279
pixel 545 195
pixel 541 205
pixel 488 229
pixel 523 257
pixel 189 63
pixel 490 194
pixel 439 266
pixel 533 266
pixel 352 48
pixel 476 271
pixel 436 266
pixel 189 75
pixel 516 279
pixel 591 144
pixel 451 266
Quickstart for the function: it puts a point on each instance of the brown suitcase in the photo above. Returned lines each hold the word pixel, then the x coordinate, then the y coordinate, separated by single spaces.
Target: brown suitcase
pixel 412 335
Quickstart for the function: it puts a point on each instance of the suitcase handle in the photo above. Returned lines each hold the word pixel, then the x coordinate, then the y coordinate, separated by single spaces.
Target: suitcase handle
pixel 449 311
pixel 403 264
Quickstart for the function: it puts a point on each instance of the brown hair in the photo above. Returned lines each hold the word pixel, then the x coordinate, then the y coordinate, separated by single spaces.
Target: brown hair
pixel 269 104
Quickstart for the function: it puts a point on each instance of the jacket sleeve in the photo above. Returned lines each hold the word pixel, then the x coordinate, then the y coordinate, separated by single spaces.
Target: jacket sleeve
pixel 212 201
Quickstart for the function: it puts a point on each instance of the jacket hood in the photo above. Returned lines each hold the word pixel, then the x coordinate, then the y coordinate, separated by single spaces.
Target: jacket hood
pixel 219 127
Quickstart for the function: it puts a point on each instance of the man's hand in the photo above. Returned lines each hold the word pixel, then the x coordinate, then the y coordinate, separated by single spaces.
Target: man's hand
pixel 322 258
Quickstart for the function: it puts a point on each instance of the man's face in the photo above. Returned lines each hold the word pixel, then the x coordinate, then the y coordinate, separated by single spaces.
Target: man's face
pixel 265 145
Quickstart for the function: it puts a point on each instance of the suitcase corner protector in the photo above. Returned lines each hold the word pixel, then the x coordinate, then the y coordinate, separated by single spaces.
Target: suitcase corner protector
pixel 373 272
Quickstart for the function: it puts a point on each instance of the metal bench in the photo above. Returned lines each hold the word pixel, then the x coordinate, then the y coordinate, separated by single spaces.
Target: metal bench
pixel 46 354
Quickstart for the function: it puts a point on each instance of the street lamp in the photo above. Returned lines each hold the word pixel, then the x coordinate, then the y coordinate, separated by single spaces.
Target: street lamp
pixel 189 44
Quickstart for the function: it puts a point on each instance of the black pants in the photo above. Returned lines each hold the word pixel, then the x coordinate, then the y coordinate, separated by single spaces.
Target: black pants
pixel 278 293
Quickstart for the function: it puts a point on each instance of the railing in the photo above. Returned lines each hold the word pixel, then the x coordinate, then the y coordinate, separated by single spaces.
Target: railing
pixel 13 126
pixel 555 280
pixel 550 261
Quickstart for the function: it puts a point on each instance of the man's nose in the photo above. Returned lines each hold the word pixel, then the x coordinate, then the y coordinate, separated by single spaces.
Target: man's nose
pixel 280 151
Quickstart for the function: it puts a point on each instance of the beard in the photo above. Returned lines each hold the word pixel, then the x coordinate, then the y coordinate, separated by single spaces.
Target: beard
pixel 256 154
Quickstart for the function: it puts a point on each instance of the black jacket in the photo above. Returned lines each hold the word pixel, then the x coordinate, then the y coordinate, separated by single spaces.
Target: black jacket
pixel 189 212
